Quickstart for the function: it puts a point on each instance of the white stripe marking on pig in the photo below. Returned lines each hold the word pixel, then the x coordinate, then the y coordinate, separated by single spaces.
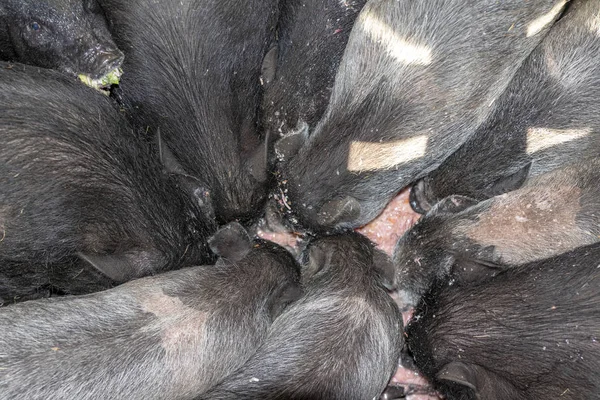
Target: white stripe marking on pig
pixel 183 337
pixel 544 138
pixel 180 325
pixel 594 24
pixel 3 219
pixel 538 24
pixel 401 49
pixel 367 156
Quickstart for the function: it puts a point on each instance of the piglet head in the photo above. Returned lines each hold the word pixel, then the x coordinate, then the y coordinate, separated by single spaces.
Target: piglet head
pixel 424 253
pixel 231 242
pixel 344 257
pixel 235 247
pixel 67 35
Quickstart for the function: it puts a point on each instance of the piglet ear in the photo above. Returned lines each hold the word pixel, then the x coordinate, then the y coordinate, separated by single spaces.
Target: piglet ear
pixel 509 183
pixel 126 266
pixel 385 268
pixel 258 162
pixel 289 145
pixel 469 271
pixel 453 204
pixel 457 372
pixel 115 267
pixel 485 384
pixel 167 158
pixel 418 198
pixel 316 258
pixel 92 6
pixel 393 392
pixel 335 212
pixel 283 297
pixel 196 189
pixel 231 242
pixel 269 66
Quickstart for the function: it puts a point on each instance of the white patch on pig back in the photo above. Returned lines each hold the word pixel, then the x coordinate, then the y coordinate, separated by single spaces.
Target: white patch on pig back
pixel 593 24
pixel 182 337
pixel 543 138
pixel 367 156
pixel 401 49
pixel 538 24
pixel 3 218
pixel 180 324
pixel 531 223
pixel 568 69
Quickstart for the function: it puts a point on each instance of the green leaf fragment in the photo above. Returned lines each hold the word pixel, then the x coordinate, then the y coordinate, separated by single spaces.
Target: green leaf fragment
pixel 111 78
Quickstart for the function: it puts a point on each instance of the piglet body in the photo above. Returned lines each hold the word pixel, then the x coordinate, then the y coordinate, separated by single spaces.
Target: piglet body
pixel 341 340
pixel 170 336
pixel 545 119
pixel 529 333
pixel 552 214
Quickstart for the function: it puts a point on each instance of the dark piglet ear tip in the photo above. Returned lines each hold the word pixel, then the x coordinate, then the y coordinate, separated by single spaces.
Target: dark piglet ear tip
pixel 231 241
pixel 453 204
pixel 384 266
pixel 128 265
pixel 116 267
pixel 289 145
pixel 316 258
pixel 339 211
pixel 460 373
pixel 167 158
pixel 269 65
pixel 283 298
pixel 486 385
pixel 510 182
pixel 258 162
pixel 393 392
pixel 417 198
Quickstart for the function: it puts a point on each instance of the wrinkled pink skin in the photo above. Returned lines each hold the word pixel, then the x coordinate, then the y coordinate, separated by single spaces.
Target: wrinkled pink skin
pixel 394 220
pixel 384 231
pixel 288 240
pixel 405 377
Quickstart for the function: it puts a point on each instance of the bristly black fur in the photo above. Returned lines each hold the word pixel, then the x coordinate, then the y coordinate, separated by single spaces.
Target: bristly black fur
pixel 70 36
pixel 75 179
pixel 546 118
pixel 465 54
pixel 192 69
pixel 529 333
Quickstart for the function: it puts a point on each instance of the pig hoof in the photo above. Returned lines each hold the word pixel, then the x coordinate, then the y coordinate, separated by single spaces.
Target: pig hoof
pixel 393 392
pixel 418 199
